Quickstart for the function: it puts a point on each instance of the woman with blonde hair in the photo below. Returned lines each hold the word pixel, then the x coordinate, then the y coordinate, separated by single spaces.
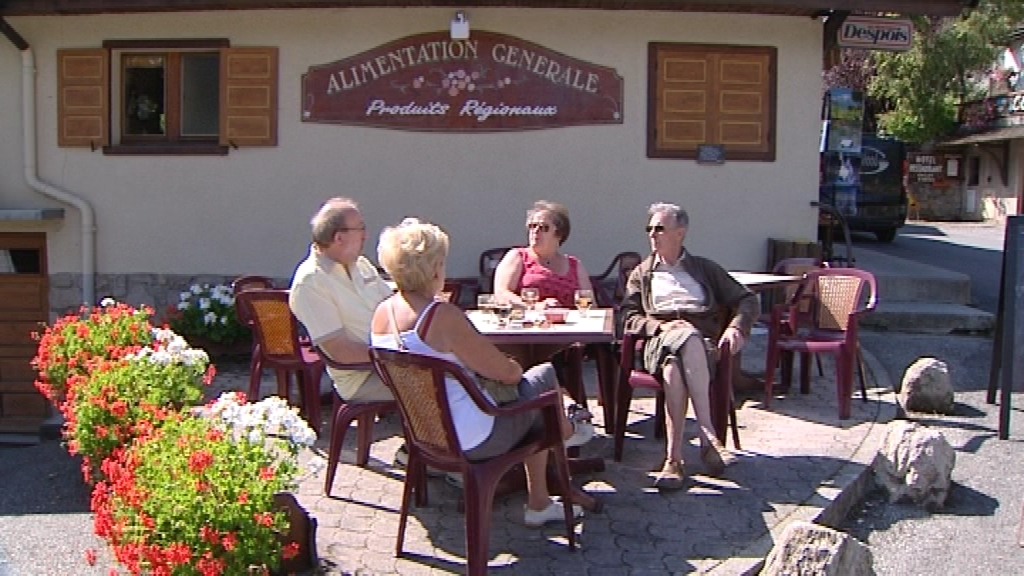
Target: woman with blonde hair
pixel 414 254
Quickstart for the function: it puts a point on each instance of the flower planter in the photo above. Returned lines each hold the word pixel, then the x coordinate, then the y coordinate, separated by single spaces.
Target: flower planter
pixel 221 351
pixel 302 530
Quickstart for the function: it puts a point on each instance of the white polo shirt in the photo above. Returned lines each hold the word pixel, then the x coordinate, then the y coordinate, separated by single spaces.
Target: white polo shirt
pixel 328 301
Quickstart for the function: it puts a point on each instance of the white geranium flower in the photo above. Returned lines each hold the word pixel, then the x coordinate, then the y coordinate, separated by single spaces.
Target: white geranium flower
pixel 204 303
pixel 108 301
pixel 184 305
pixel 184 296
pixel 196 289
pixel 209 318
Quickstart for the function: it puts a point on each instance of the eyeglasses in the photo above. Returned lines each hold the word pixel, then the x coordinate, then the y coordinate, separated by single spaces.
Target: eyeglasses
pixel 538 226
pixel 659 228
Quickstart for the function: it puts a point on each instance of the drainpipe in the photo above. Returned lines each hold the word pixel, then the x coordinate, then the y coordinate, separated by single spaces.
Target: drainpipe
pixel 28 97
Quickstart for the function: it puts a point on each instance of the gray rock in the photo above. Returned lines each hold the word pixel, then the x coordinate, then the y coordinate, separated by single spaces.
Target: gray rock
pixel 810 549
pixel 915 463
pixel 927 387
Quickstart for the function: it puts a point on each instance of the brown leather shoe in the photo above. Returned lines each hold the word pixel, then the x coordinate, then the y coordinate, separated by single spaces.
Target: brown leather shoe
pixel 671 475
pixel 716 456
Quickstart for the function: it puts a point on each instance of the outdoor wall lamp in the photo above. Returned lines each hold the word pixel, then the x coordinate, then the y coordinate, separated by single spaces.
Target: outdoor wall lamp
pixel 460 26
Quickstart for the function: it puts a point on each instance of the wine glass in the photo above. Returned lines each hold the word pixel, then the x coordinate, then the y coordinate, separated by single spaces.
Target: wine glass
pixel 485 303
pixel 584 300
pixel 503 310
pixel 530 297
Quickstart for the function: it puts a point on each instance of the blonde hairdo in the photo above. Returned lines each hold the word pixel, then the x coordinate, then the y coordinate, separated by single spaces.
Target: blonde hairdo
pixel 411 252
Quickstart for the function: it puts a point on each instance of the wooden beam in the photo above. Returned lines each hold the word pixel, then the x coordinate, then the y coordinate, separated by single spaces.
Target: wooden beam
pixel 786 7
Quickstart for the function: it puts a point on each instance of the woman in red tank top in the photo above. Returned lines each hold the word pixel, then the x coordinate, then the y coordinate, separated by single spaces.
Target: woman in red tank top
pixel 540 264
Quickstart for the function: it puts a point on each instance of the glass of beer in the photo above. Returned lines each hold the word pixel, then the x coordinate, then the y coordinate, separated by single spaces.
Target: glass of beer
pixel 485 303
pixel 530 297
pixel 584 300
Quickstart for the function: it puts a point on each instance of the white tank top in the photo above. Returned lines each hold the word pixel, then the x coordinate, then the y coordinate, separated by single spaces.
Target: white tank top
pixel 471 425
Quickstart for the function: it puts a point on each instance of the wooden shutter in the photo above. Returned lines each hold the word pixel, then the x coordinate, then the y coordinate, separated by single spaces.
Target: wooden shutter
pixel 710 94
pixel 248 97
pixel 83 97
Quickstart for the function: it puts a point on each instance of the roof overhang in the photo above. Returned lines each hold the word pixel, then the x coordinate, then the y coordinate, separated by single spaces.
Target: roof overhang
pixel 810 8
pixel 999 134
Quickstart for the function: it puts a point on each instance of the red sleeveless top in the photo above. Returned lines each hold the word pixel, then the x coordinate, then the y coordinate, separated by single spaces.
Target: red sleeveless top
pixel 549 284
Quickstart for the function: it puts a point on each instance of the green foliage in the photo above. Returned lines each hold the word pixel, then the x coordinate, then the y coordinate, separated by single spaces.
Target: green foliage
pixel 208 312
pixel 948 65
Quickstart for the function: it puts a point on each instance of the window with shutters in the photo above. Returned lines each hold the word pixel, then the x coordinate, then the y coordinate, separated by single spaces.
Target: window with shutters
pixel 711 94
pixel 167 97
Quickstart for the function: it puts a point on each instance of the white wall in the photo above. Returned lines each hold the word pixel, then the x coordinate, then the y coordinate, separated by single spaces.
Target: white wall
pixel 248 212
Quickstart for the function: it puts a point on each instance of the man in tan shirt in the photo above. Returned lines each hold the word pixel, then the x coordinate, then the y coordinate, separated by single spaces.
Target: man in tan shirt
pixel 334 293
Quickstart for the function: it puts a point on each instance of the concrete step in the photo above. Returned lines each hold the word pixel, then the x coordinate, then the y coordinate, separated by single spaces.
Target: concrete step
pixel 902 280
pixel 928 318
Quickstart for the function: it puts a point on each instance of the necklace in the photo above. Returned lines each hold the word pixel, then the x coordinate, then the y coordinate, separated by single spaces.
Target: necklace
pixel 546 261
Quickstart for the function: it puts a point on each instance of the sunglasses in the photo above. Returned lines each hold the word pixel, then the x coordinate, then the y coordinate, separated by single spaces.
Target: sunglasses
pixel 656 228
pixel 538 226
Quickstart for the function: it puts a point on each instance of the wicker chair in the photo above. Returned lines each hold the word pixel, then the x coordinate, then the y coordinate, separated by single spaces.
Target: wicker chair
pixel 277 332
pixel 632 375
pixel 418 383
pixel 821 318
pixel 342 415
pixel 244 314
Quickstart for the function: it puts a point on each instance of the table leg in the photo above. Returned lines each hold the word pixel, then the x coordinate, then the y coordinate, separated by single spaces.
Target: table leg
pixel 606 371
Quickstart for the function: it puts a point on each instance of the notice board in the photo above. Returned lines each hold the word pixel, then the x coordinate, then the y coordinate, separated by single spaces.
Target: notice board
pixel 1008 348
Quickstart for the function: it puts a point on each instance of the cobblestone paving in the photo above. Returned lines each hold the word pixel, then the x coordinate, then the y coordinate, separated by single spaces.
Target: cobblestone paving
pixel 796 460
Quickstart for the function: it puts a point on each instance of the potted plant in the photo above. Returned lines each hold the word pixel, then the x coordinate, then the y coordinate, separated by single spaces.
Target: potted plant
pixel 127 397
pixel 205 316
pixel 197 494
pixel 66 349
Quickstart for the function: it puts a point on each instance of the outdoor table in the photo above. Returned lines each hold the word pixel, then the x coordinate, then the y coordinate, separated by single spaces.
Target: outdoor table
pixel 597 326
pixel 756 282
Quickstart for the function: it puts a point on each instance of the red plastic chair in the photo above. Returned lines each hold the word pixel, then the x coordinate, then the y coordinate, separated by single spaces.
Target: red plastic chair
pixel 277 332
pixel 610 285
pixel 244 314
pixel 342 415
pixel 821 318
pixel 632 375
pixel 418 383
pixel 489 260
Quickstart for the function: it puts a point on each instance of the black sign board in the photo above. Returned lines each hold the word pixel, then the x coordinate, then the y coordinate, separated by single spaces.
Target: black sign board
pixel 710 154
pixel 1008 348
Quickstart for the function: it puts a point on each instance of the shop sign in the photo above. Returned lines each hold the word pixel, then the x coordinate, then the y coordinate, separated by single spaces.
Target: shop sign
pixel 489 82
pixel 872 33
pixel 935 169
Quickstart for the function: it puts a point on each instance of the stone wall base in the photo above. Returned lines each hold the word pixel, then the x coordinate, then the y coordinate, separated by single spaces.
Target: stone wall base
pixel 156 290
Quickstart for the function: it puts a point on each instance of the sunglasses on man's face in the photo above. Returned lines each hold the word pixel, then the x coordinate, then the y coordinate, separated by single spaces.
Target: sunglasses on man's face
pixel 657 228
pixel 538 226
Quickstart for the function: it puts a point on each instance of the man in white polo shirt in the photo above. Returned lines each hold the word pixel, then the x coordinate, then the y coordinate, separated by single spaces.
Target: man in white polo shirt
pixel 334 293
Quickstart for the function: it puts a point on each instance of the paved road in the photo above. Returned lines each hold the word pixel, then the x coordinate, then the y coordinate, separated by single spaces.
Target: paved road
pixel 974 249
pixel 976 532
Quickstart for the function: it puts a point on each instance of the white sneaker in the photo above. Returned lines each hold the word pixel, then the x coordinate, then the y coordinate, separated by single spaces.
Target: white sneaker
pixel 582 433
pixel 555 512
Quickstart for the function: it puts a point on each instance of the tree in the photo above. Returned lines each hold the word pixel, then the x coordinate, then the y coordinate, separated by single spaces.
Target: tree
pixel 920 90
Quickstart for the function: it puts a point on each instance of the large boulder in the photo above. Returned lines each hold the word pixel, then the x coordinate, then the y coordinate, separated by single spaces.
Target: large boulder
pixel 927 387
pixel 810 549
pixel 915 463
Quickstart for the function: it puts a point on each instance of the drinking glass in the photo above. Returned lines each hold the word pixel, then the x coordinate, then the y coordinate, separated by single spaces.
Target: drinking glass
pixel 485 303
pixel 584 300
pixel 530 297
pixel 503 310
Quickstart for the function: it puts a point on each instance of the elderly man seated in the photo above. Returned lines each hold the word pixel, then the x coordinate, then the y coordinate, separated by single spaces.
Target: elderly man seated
pixel 334 293
pixel 676 299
